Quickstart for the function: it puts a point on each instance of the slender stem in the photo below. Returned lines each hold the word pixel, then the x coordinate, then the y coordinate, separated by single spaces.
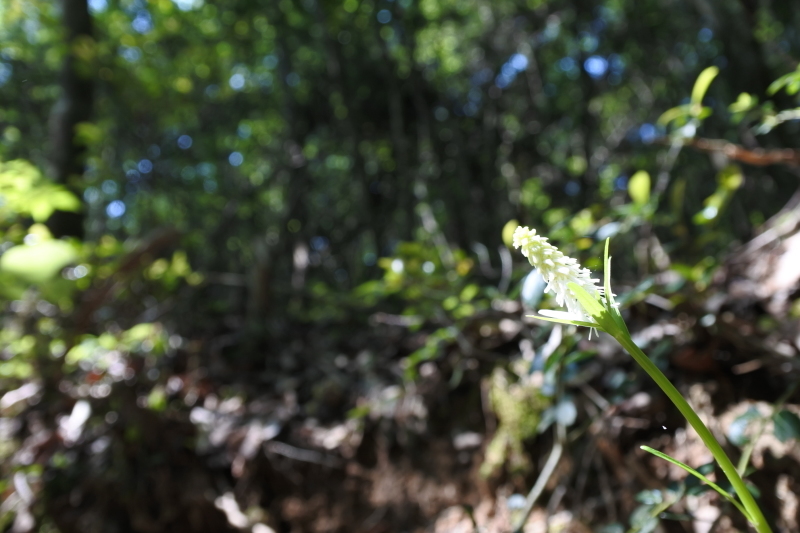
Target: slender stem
pixel 748 451
pixel 756 517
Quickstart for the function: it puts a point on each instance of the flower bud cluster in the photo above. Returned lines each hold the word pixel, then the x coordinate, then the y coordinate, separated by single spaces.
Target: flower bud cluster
pixel 557 270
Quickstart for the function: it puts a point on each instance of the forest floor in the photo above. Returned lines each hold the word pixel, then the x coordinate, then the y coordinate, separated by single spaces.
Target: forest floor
pixel 414 458
pixel 413 463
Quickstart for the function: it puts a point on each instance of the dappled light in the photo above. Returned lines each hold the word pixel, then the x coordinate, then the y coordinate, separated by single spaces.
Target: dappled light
pixel 338 266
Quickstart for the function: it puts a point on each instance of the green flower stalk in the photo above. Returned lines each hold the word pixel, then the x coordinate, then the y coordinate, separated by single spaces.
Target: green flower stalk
pixel 594 307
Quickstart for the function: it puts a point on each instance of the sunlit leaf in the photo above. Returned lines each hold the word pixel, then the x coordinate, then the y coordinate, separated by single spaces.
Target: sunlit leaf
pixel 508 232
pixel 731 177
pixel 39 262
pixel 784 81
pixel 639 187
pixel 701 86
pixel 673 114
pixel 744 103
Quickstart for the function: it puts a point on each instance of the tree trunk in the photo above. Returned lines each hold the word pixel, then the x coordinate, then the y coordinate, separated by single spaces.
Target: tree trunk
pixel 67 154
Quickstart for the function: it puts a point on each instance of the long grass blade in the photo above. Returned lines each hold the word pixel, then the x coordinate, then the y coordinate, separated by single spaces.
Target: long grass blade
pixel 701 477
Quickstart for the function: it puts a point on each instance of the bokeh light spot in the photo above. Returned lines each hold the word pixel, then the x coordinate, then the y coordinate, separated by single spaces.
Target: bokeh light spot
pixel 116 209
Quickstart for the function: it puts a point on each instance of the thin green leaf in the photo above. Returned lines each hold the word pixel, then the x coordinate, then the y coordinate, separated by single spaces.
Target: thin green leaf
pixel 576 357
pixel 703 478
pixel 552 361
pixel 607 277
pixel 565 321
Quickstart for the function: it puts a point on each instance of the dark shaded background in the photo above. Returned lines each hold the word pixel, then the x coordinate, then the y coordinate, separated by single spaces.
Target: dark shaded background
pixel 255 271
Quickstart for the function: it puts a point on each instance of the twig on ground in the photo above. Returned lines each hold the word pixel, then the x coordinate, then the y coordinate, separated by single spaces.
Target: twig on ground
pixel 299 454
pixel 605 489
pixel 544 477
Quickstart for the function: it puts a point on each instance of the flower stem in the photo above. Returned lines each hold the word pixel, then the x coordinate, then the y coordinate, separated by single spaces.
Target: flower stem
pixel 756 517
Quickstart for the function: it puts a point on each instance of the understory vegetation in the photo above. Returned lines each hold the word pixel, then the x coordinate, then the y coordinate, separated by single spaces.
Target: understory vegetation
pixel 257 273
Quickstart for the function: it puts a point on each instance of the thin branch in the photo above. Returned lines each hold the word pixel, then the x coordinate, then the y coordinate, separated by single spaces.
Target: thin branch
pixel 756 156
pixel 541 482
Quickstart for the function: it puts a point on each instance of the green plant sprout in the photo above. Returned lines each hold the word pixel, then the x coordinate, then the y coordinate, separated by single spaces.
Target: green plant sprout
pixel 594 307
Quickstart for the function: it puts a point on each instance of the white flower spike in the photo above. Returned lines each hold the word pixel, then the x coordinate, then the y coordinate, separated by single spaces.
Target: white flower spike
pixel 558 270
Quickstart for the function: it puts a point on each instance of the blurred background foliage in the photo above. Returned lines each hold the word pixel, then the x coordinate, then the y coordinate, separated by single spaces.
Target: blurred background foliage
pixel 278 217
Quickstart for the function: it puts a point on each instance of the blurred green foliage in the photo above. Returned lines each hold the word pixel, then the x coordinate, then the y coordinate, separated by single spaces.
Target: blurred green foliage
pixel 327 163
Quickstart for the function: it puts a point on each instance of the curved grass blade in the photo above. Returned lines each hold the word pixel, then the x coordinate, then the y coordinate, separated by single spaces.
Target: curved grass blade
pixel 701 477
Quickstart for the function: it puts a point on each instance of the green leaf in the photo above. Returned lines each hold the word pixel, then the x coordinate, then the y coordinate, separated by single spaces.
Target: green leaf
pixel 642 519
pixel 508 232
pixel 701 86
pixel 576 357
pixel 730 178
pixel 737 431
pixel 39 262
pixel 47 198
pixel 594 308
pixel 696 489
pixel 469 292
pixel 752 489
pixel 744 103
pixel 157 399
pixel 358 412
pixel 787 425
pixel 671 115
pixel 552 361
pixel 639 187
pixel 591 304
pixel 700 476
pixel 25 191
pixel 565 321
pixel 785 80
pixel 650 497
